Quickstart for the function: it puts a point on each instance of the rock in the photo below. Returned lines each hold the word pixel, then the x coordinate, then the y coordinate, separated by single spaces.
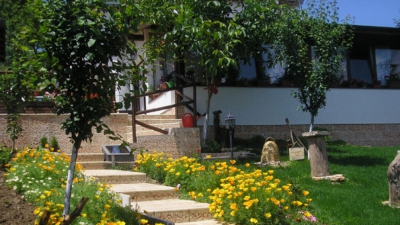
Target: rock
pixel 270 152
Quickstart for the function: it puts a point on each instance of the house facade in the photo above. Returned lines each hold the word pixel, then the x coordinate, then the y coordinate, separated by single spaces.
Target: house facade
pixel 362 109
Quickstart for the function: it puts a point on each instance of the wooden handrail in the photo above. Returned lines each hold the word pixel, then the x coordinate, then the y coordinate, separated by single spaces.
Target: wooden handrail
pixel 178 91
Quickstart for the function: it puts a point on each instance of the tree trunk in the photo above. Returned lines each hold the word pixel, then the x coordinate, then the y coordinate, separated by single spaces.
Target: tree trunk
pixel 393 174
pixel 317 152
pixel 205 124
pixel 70 178
pixel 311 123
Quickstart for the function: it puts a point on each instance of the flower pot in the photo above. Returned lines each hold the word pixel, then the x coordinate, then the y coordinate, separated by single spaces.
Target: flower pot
pixel 287 83
pixel 394 84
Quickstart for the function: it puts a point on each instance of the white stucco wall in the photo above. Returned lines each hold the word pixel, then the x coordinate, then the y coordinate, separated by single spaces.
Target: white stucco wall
pixel 166 98
pixel 270 106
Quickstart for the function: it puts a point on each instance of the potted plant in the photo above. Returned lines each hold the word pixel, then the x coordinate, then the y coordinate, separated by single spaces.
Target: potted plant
pixel 376 83
pixel 393 80
pixel 264 81
pixel 287 80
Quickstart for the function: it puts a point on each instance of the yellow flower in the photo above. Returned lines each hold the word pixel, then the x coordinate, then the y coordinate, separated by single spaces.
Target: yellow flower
pixel 247 164
pixel 46 145
pixel 143 221
pixel 270 172
pixel 208 156
pixel 307 214
pixel 233 162
pixel 268 215
pixel 107 206
pixel 305 193
pixel 83 215
pixel 253 220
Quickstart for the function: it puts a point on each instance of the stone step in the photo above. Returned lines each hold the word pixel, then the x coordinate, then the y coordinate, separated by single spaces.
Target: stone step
pixel 117 176
pixel 146 191
pixel 202 222
pixel 161 116
pixel 161 121
pixel 158 125
pixel 90 157
pixel 175 210
pixel 96 165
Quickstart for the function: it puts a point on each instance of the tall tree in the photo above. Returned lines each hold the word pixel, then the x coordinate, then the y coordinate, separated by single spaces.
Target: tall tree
pixel 312 49
pixel 85 44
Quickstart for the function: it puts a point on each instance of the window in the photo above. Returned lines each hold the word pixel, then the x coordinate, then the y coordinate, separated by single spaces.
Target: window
pixel 360 64
pixel 387 63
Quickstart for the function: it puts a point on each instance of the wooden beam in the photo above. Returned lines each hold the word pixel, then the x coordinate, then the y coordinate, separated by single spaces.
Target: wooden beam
pixel 164 107
pixel 151 127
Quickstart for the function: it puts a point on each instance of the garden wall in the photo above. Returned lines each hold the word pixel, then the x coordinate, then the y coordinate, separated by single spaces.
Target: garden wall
pixel 36 126
pixel 355 134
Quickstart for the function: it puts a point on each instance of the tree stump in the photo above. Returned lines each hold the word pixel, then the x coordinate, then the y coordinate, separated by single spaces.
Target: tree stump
pixel 317 153
pixel 393 174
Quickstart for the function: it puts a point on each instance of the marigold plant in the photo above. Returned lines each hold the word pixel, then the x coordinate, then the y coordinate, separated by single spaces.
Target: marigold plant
pixel 40 175
pixel 236 193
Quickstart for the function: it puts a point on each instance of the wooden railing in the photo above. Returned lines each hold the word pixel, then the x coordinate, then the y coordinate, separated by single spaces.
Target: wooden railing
pixel 180 82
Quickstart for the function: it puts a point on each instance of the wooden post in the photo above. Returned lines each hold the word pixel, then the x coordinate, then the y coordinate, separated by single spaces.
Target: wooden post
pixel 393 174
pixel 318 154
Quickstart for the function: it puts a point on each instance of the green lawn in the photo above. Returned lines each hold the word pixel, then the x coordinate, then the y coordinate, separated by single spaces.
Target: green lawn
pixel 358 200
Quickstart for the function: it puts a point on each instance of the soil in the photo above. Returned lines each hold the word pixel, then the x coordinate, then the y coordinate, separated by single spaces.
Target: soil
pixel 14 209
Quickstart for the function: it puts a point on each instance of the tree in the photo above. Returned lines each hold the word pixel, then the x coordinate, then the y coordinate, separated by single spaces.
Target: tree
pixel 85 44
pixel 218 33
pixel 312 51
pixel 17 17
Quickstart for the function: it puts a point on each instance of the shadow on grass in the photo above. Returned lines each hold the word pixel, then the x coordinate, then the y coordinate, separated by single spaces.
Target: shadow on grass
pixel 358 160
pixel 335 149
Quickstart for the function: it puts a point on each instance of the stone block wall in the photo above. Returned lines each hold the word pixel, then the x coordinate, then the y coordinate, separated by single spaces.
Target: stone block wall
pixel 35 126
pixel 179 142
pixel 355 134
pixel 185 141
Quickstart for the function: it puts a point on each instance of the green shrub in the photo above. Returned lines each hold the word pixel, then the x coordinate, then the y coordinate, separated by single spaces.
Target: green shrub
pixel 54 144
pixel 43 141
pixel 4 155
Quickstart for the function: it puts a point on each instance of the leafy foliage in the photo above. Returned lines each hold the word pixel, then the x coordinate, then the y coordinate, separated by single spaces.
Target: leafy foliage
pixel 86 44
pixel 313 68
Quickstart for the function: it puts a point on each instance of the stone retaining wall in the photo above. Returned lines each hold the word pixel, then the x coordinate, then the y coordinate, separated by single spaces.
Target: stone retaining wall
pixel 179 142
pixel 36 126
pixel 355 134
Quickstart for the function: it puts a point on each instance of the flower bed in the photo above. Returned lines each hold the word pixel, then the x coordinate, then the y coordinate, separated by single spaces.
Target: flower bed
pixel 237 194
pixel 40 175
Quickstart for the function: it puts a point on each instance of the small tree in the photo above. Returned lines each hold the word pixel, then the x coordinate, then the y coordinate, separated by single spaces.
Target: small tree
pixel 312 51
pixel 86 45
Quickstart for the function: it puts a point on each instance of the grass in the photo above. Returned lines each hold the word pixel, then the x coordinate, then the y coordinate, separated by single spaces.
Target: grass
pixel 359 199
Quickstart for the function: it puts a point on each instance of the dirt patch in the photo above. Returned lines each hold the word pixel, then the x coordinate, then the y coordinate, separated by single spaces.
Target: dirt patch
pixel 13 208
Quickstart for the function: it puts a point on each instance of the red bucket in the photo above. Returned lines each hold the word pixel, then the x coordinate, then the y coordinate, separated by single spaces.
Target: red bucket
pixel 187 120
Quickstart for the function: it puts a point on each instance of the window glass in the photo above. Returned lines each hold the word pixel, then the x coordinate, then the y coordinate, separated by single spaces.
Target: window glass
pixel 387 63
pixel 360 64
